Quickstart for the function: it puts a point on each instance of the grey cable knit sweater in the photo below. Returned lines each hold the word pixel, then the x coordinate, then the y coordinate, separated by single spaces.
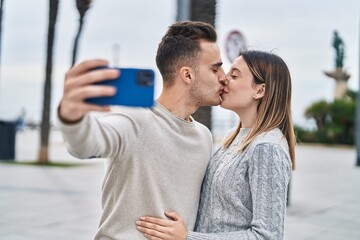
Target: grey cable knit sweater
pixel 244 194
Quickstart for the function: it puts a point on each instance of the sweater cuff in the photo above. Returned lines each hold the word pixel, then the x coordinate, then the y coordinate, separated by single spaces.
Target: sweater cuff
pixel 73 128
pixel 193 236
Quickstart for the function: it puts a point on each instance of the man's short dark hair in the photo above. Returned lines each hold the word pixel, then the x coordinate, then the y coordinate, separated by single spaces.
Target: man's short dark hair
pixel 181 46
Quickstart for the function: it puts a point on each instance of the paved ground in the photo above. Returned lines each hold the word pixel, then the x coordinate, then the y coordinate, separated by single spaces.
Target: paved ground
pixel 64 203
pixel 325 195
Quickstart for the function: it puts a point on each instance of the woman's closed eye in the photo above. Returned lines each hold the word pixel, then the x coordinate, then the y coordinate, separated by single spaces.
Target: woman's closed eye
pixel 234 76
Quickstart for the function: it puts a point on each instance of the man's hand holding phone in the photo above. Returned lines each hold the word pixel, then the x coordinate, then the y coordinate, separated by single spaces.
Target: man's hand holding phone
pixel 91 86
pixel 79 85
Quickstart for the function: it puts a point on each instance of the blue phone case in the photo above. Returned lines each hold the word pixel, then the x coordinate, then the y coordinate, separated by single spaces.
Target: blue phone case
pixel 135 88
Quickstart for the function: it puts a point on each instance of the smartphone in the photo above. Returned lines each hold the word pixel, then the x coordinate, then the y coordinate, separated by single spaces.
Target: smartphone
pixel 135 88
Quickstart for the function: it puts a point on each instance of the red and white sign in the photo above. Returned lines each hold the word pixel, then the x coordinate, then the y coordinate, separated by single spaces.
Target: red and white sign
pixel 235 42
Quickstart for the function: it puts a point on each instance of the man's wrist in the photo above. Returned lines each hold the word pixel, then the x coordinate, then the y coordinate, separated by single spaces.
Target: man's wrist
pixel 67 121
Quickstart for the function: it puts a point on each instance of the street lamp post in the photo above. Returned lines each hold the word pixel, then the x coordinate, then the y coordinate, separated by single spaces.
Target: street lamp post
pixel 183 10
pixel 358 115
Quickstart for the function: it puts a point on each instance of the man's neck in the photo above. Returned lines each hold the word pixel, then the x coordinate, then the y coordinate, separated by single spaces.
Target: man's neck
pixel 178 104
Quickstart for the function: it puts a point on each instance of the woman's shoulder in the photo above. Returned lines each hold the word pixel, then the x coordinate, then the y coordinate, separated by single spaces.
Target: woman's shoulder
pixel 273 137
pixel 272 143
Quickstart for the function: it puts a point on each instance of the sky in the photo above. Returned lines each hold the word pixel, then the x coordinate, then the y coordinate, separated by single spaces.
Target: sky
pixel 299 31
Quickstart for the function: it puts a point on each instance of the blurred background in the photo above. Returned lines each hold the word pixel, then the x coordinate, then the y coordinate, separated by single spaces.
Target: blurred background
pixel 34 57
pixel 127 33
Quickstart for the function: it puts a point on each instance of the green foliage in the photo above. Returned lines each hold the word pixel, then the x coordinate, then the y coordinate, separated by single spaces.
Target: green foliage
pixel 335 121
pixel 47 164
pixel 318 111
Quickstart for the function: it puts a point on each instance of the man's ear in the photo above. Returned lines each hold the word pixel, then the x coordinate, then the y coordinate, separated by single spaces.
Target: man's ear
pixel 260 91
pixel 186 74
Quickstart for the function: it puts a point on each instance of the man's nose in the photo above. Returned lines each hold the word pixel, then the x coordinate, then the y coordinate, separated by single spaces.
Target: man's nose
pixel 223 80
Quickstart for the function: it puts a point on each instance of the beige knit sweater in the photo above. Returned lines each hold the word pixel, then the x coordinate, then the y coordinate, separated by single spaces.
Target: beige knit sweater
pixel 155 162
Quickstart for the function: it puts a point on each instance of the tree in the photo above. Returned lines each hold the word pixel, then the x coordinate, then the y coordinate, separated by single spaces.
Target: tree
pixel 45 124
pixel 319 112
pixel 203 10
pixel 82 7
pixel 335 121
pixel 342 114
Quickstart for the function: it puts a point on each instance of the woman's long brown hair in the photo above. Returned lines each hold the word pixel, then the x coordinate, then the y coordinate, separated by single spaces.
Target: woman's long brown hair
pixel 274 110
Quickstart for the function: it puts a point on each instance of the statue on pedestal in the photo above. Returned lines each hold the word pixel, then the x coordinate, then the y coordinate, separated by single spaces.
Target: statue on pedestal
pixel 339 74
pixel 338 44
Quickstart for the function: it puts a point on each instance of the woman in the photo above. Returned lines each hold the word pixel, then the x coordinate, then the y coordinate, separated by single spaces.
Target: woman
pixel 244 191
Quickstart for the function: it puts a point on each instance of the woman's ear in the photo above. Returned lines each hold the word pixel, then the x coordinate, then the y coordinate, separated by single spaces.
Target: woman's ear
pixel 260 91
pixel 186 74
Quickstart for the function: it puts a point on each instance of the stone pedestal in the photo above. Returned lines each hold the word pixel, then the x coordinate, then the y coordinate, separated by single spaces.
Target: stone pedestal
pixel 341 77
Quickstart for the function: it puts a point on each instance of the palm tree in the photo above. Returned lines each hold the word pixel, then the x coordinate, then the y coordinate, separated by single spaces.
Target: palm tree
pixel 82 6
pixel 203 10
pixel 45 124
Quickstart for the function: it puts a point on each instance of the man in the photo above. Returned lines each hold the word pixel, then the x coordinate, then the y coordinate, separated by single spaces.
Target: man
pixel 156 157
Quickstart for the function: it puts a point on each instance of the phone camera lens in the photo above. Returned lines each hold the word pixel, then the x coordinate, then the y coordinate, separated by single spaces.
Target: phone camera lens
pixel 145 78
